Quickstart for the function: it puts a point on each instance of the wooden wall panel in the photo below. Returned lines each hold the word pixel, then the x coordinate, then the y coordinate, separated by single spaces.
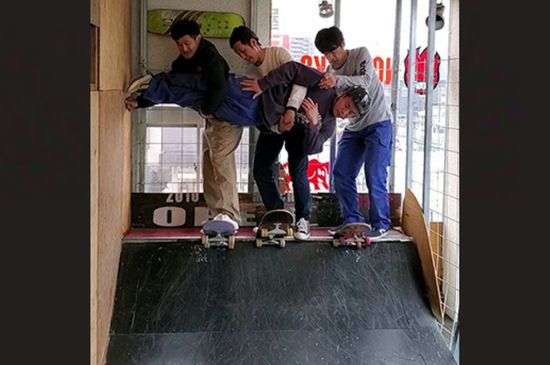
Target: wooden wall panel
pixel 114 44
pixel 94 184
pixel 110 196
pixel 94 12
pixel 126 171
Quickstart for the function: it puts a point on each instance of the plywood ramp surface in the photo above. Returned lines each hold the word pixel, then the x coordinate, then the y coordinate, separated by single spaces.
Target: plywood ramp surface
pixel 414 225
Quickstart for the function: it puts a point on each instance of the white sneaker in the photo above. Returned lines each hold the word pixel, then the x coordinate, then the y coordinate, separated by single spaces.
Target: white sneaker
pixel 140 83
pixel 227 218
pixel 302 230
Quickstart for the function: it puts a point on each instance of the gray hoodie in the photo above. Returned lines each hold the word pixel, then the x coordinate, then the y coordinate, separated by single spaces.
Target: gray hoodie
pixel 358 70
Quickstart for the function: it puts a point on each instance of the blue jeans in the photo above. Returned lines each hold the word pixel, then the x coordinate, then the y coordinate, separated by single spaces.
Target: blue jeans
pixel 268 148
pixel 369 148
pixel 187 90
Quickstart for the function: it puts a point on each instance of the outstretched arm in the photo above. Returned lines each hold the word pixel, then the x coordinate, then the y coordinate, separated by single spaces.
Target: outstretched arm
pixel 291 73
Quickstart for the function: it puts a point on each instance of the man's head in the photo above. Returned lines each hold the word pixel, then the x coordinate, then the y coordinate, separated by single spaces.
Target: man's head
pixel 330 42
pixel 246 44
pixel 352 103
pixel 186 34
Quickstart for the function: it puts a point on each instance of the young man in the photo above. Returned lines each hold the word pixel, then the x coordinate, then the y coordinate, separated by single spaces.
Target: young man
pixel 369 135
pixel 220 139
pixel 321 107
pixel 262 60
pixel 241 107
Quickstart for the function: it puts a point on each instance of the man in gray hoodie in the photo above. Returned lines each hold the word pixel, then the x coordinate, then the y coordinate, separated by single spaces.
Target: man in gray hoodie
pixel 369 135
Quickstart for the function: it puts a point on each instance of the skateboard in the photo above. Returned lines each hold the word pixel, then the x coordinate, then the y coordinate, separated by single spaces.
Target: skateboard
pixel 218 233
pixel 274 227
pixel 352 234
pixel 213 24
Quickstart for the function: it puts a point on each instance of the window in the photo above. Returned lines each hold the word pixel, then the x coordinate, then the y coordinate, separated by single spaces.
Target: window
pixel 169 152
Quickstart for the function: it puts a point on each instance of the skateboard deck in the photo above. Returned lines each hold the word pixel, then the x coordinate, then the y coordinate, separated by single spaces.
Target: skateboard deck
pixel 213 24
pixel 274 227
pixel 218 233
pixel 352 234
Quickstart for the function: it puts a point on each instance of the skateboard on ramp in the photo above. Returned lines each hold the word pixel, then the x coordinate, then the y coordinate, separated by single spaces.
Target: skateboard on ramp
pixel 352 234
pixel 218 233
pixel 213 24
pixel 274 227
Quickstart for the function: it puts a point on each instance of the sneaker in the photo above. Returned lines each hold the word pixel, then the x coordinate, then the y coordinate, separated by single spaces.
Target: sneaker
pixel 227 218
pixel 139 83
pixel 302 230
pixel 376 233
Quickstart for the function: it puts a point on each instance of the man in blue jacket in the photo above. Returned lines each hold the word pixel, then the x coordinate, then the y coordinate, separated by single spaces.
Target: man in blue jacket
pixel 198 56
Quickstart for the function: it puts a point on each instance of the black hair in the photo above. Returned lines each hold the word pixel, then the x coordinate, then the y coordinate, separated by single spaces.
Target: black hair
pixel 328 39
pixel 185 27
pixel 242 34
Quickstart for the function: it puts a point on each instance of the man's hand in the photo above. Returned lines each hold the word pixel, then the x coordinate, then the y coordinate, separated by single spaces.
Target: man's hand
pixel 328 81
pixel 286 122
pixel 130 103
pixel 252 85
pixel 311 110
pixel 288 118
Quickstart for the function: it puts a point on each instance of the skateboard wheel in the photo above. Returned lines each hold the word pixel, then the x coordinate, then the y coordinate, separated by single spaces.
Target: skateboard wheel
pixel 258 242
pixel 231 242
pixel 335 242
pixel 263 232
pixel 290 232
pixel 282 243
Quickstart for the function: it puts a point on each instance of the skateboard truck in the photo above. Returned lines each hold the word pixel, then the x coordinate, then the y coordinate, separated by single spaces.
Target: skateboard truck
pixel 274 227
pixel 218 233
pixel 353 234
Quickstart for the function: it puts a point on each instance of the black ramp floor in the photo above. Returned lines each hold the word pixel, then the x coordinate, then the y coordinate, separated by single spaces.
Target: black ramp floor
pixel 307 303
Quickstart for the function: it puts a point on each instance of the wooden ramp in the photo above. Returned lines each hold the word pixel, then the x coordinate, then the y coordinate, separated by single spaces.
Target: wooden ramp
pixel 245 234
pixel 414 225
pixel 307 303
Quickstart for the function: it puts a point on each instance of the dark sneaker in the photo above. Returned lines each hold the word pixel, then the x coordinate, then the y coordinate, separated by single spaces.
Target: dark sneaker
pixel 302 230
pixel 376 233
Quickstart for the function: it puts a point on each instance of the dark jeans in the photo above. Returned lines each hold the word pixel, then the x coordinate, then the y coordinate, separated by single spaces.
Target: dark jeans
pixel 267 152
pixel 370 149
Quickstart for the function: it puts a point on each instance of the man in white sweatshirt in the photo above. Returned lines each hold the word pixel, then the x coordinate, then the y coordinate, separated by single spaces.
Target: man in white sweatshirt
pixel 261 61
pixel 369 135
